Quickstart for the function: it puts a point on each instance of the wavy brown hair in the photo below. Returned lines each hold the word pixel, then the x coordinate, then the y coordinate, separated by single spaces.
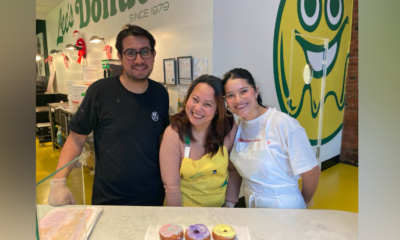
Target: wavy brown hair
pixel 220 125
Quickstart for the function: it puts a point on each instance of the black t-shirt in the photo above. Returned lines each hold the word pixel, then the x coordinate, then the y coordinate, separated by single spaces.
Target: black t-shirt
pixel 127 129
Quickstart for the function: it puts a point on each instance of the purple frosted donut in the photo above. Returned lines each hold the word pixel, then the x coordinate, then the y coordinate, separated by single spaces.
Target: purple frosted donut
pixel 197 232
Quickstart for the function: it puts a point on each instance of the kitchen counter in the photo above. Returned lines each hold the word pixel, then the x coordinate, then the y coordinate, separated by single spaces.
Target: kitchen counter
pixel 126 222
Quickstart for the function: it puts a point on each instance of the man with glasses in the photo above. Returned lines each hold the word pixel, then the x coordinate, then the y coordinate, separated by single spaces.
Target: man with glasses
pixel 127 114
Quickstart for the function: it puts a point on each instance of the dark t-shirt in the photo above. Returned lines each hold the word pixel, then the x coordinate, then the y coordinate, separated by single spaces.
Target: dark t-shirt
pixel 127 129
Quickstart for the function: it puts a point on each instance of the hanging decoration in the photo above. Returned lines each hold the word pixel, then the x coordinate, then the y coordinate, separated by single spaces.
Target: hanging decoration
pixel 108 50
pixel 80 44
pixel 65 58
pixel 49 60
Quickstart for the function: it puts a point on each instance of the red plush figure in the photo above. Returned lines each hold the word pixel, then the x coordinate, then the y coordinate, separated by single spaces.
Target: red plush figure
pixel 81 46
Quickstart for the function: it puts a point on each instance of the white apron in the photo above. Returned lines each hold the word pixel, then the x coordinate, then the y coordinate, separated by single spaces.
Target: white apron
pixel 263 186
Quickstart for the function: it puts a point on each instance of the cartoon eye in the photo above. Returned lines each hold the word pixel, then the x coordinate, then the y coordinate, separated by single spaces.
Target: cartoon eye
pixel 334 13
pixel 309 12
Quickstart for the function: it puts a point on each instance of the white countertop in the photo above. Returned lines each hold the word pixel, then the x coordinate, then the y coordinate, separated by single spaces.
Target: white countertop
pixel 131 223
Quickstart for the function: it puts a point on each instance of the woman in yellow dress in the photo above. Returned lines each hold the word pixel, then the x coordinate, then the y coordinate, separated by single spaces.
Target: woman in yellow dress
pixel 194 153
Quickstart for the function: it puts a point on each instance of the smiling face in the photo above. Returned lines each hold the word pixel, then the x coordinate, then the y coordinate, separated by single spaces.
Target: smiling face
pixel 138 69
pixel 241 98
pixel 333 26
pixel 200 106
pixel 300 27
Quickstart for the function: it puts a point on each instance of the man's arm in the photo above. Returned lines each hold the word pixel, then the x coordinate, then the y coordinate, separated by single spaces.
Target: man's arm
pixel 59 192
pixel 71 150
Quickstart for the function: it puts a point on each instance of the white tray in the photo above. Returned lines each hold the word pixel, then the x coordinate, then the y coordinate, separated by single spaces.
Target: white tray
pixel 242 233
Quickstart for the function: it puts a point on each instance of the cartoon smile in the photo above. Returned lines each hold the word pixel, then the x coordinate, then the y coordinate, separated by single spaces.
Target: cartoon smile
pixel 315 53
pixel 320 37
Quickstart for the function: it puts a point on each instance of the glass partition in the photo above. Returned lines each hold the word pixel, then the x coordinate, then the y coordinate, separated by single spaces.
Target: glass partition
pixel 307 85
pixel 60 205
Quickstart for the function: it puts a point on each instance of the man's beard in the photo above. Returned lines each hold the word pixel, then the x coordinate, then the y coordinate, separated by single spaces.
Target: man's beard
pixel 137 78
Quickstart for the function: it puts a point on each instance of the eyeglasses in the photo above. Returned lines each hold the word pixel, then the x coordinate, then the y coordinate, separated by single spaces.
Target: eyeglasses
pixel 131 54
pixel 242 93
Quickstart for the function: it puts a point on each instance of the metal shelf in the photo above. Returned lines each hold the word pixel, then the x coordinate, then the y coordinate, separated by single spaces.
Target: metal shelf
pixel 56 144
pixel 66 114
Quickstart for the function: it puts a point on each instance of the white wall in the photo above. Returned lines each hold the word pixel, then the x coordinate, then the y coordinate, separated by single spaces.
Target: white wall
pixel 40 16
pixel 243 35
pixel 185 29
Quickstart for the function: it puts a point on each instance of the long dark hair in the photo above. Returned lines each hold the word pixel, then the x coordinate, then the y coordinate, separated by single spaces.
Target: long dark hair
pixel 244 74
pixel 220 125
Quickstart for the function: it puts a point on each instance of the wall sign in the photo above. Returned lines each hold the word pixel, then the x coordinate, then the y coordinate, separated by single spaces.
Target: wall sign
pixel 148 12
pixel 99 9
pixel 185 70
pixel 169 71
pixel 199 67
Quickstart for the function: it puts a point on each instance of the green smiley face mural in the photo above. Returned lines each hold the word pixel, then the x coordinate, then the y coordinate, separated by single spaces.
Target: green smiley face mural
pixel 300 27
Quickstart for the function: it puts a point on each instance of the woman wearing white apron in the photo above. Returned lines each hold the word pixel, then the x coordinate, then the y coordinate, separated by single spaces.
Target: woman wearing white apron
pixel 271 149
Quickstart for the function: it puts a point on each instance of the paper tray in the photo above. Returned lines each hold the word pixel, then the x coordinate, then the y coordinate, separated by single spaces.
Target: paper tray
pixel 242 233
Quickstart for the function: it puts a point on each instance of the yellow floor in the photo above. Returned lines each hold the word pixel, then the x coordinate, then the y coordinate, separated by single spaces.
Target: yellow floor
pixel 337 188
pixel 46 163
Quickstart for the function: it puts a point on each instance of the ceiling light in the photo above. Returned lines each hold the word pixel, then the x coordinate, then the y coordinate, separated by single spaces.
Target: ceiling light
pixel 96 39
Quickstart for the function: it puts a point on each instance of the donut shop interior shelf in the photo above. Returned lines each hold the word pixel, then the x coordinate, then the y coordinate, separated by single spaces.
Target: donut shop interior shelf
pixel 55 217
pixel 61 115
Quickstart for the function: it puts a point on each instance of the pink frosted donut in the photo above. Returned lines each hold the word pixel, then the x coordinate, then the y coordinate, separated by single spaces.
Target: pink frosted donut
pixel 171 232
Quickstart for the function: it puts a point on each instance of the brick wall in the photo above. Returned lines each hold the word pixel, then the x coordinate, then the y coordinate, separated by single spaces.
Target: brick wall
pixel 349 149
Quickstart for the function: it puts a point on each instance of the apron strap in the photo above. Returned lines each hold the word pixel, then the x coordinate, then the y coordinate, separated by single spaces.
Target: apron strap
pixel 269 121
pixel 252 199
pixel 238 131
pixel 187 147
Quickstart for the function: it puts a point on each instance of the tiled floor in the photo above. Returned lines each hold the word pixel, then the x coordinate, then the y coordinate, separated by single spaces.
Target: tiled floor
pixel 337 189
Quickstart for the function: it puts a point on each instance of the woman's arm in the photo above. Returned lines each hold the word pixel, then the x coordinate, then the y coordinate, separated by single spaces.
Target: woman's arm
pixel 170 163
pixel 234 183
pixel 310 183
pixel 235 180
pixel 303 161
